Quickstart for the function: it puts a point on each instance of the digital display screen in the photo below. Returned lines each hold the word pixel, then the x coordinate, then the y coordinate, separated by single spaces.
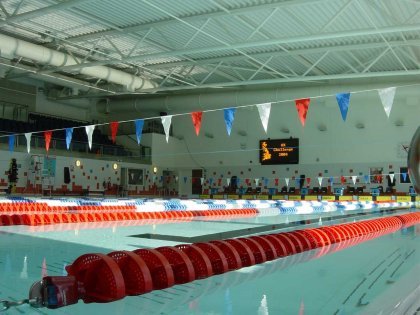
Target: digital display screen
pixel 279 151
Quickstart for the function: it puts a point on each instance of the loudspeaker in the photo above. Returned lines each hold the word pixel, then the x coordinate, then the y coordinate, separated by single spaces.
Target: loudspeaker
pixel 163 114
pixel 66 175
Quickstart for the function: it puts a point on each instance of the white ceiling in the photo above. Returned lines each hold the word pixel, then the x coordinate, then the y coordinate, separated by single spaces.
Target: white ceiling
pixel 199 44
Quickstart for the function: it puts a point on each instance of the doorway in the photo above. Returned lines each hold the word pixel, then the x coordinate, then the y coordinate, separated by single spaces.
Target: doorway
pixel 196 187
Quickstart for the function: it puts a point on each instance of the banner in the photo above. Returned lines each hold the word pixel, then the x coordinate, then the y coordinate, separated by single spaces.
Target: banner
pixel 228 181
pixel 302 106
pixel 139 123
pixel 69 136
pixel 28 136
pixel 114 129
pixel 257 181
pixel 354 178
pixel 166 122
pixel 343 100
pixel 196 119
pixel 387 98
pixel 264 111
pixel 287 181
pixel 89 131
pixel 229 114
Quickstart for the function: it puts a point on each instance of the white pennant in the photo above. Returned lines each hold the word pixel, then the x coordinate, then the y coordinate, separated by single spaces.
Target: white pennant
pixel 387 98
pixel 176 178
pixel 228 181
pixel 353 178
pixel 257 181
pixel 264 111
pixel 391 177
pixel 28 140
pixel 89 131
pixel 166 122
pixel 320 181
pixel 287 182
pixel 202 181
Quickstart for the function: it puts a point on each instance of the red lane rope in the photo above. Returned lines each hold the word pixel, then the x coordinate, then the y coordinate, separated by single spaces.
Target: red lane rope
pixel 106 278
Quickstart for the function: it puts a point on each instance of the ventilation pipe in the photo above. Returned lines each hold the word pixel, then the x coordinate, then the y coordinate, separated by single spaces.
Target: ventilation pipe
pixel 11 47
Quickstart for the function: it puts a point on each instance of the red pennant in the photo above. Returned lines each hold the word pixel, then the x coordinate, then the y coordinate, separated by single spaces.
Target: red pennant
pixel 276 181
pixel 114 129
pixel 302 106
pixel 247 181
pixel 343 180
pixel 308 180
pixel 219 181
pixel 47 136
pixel 196 119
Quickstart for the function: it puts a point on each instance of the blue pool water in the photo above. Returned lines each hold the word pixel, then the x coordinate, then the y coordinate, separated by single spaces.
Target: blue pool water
pixel 369 278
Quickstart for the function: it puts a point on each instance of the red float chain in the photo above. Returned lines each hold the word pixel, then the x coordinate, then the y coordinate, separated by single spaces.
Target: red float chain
pixel 106 278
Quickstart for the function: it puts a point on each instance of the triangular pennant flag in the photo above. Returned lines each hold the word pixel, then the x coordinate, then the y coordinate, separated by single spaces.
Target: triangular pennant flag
pixel 343 180
pixel 185 179
pixel 47 136
pixel 69 136
pixel 343 100
pixel 89 132
pixel 229 114
pixel 404 175
pixel 176 179
pixel 139 129
pixel 331 181
pixel 276 181
pixel 391 177
pixel 202 181
pixel 387 98
pixel 196 119
pixel 302 106
pixel 28 137
pixel 366 179
pixel 247 181
pixel 257 181
pixel 354 178
pixel 297 181
pixel 264 111
pixel 287 181
pixel 308 180
pixel 320 181
pixel 265 181
pixel 114 129
pixel 210 181
pixel 11 143
pixel 228 181
pixel 166 122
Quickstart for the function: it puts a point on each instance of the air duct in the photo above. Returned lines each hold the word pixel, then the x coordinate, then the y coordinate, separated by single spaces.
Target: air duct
pixel 12 47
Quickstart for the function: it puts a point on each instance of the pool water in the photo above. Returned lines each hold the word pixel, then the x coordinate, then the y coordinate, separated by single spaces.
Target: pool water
pixel 370 278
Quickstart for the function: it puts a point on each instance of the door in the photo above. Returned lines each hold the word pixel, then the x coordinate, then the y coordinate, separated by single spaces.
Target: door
pixel 196 187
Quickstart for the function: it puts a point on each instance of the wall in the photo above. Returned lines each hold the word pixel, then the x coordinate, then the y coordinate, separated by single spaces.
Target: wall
pixel 90 175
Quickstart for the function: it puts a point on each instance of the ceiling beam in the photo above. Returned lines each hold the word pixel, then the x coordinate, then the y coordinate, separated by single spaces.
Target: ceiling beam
pixel 262 43
pixel 171 21
pixel 347 76
pixel 42 11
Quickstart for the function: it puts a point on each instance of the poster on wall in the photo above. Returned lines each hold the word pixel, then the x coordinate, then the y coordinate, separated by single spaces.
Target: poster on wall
pixel 48 172
pixel 135 176
pixel 404 177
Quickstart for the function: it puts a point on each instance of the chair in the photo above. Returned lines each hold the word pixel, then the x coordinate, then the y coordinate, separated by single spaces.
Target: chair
pixel 388 190
pixel 360 190
pixel 292 190
pixel 350 190
pixel 381 189
pixel 315 190
pixel 324 190
pixel 284 189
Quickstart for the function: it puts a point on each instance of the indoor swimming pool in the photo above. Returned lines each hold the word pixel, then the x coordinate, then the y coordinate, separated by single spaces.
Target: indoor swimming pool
pixel 372 277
